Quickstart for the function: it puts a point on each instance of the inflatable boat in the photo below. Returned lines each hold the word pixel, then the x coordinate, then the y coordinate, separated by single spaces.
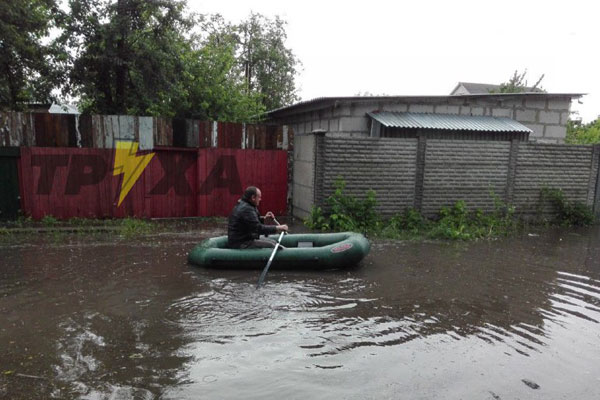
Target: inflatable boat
pixel 306 251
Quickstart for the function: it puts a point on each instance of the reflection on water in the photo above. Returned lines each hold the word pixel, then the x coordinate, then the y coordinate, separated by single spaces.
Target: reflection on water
pixel 514 318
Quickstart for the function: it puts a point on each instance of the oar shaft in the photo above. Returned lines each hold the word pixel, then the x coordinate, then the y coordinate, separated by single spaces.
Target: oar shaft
pixel 264 272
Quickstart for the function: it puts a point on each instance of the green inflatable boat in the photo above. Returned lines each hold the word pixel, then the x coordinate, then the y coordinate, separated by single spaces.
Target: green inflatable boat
pixel 306 251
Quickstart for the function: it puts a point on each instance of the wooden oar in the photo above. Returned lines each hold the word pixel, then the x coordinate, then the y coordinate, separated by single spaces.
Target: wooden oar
pixel 264 272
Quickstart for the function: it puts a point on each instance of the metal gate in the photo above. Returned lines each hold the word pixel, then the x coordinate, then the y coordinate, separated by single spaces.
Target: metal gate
pixel 9 182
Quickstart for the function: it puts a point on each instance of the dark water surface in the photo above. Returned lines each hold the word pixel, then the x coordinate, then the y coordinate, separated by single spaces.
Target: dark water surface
pixel 117 319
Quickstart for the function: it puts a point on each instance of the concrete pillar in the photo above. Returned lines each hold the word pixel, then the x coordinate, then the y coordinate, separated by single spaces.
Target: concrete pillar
pixel 596 158
pixel 420 173
pixel 320 159
pixel 512 170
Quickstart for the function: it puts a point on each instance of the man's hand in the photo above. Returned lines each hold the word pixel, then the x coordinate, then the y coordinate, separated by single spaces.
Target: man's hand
pixel 270 215
pixel 282 228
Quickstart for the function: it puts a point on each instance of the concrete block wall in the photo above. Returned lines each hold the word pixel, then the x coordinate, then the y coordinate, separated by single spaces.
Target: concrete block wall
pixel 387 166
pixel 569 168
pixel 452 170
pixel 464 170
pixel 546 117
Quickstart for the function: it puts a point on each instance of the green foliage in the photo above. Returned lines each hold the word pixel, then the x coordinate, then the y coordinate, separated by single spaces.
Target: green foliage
pixel 518 83
pixel 568 213
pixel 410 220
pixel 23 221
pixel 144 58
pixel 30 67
pixel 578 133
pixel 49 221
pixel 317 220
pixel 351 214
pixel 269 68
pixel 127 55
pixel 347 213
pixel 215 90
pixel 134 227
pixel 452 223
pixel 455 222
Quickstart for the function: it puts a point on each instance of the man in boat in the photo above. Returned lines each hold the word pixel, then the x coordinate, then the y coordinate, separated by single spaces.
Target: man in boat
pixel 246 225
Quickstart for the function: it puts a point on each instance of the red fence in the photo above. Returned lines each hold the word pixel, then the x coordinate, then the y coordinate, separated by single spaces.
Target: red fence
pixel 79 182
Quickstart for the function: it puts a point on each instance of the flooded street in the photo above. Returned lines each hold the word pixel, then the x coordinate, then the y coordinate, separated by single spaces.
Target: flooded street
pixel 130 319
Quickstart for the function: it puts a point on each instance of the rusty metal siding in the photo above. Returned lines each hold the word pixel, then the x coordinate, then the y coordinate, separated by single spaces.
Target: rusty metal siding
pixel 16 129
pixel 85 131
pixel 146 136
pixel 192 133
pixel 229 135
pixel 102 132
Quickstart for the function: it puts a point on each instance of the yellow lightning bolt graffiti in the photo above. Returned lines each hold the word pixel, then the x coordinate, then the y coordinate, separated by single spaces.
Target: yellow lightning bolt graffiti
pixel 128 163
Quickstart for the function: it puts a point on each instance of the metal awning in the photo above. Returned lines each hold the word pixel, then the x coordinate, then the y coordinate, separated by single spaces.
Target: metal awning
pixel 448 122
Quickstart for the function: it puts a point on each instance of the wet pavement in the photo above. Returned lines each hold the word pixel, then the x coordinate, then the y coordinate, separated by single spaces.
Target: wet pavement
pixel 515 318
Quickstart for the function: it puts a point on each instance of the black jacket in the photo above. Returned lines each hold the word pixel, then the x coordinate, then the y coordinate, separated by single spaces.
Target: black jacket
pixel 245 225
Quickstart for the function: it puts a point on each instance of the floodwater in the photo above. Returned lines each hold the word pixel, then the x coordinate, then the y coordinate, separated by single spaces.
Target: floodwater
pixel 515 318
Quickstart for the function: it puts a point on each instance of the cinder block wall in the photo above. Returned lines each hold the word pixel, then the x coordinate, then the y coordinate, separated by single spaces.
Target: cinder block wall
pixel 387 166
pixel 547 118
pixel 464 170
pixel 428 174
pixel 574 169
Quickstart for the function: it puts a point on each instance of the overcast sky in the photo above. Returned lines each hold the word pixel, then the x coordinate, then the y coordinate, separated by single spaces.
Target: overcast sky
pixel 426 47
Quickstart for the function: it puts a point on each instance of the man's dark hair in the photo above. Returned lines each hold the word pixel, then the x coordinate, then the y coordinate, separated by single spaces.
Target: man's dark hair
pixel 249 192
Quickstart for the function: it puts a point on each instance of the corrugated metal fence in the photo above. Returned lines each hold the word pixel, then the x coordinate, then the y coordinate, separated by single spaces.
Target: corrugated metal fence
pixel 87 183
pixel 70 166
pixel 101 131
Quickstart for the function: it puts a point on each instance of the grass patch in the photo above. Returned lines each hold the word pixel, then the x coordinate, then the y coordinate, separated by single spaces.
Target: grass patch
pixel 136 227
pixel 49 221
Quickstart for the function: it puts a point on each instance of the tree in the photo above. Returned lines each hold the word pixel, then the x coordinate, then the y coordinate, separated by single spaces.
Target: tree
pixel 578 133
pixel 215 88
pixel 139 57
pixel 127 55
pixel 30 68
pixel 518 83
pixel 268 66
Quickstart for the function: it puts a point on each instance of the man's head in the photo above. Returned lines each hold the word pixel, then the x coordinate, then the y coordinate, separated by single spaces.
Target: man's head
pixel 252 195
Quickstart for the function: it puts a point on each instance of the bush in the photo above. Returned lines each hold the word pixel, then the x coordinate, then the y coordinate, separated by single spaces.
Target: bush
pixel 410 220
pixel 317 220
pixel 568 213
pixel 347 213
pixel 454 222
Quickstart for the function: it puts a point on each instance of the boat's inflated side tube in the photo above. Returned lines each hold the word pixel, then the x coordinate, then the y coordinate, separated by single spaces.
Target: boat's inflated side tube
pixel 306 250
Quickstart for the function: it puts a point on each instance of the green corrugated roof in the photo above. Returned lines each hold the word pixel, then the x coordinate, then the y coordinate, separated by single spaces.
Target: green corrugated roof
pixel 448 122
